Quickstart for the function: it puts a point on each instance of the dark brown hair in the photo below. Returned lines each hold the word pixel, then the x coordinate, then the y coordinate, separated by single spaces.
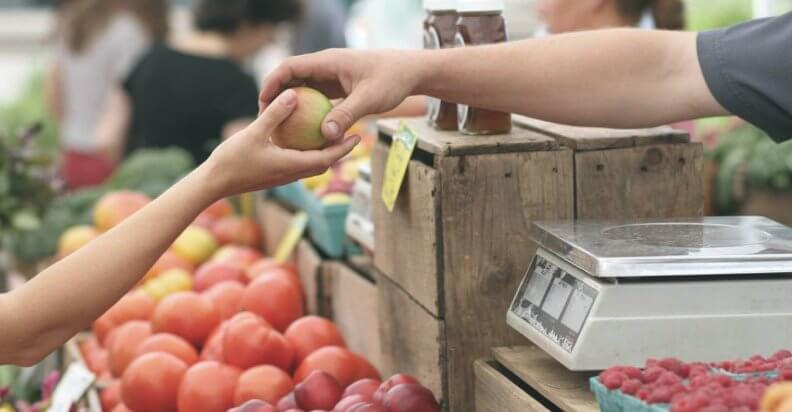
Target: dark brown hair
pixel 82 20
pixel 227 16
pixel 668 14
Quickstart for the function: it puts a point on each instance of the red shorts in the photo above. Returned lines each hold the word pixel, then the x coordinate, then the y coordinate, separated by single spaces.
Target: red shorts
pixel 84 169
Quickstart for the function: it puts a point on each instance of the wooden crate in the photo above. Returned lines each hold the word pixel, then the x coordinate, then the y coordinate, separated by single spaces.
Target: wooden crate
pixel 310 267
pixel 623 174
pixel 456 244
pixel 274 219
pixel 351 292
pixel 526 379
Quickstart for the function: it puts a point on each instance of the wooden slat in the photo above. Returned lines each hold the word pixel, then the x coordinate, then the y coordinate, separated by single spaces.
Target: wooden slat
pixel 496 393
pixel 488 204
pixel 354 309
pixel 412 339
pixel 406 238
pixel 594 138
pixel 566 389
pixel 452 143
pixel 274 220
pixel 309 267
pixel 640 182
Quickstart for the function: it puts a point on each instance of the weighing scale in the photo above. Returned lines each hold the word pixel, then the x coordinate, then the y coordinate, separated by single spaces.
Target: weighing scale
pixel 599 294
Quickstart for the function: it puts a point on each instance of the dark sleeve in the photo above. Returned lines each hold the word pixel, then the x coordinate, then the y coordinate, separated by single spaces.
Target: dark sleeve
pixel 240 100
pixel 748 69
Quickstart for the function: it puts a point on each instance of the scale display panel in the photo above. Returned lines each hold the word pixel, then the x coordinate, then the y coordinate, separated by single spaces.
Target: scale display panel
pixel 554 302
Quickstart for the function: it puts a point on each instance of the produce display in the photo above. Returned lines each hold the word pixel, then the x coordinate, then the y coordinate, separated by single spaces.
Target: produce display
pixel 672 385
pixel 148 171
pixel 216 326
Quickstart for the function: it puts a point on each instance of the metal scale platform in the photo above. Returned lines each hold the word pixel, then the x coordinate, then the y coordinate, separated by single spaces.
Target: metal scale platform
pixel 598 294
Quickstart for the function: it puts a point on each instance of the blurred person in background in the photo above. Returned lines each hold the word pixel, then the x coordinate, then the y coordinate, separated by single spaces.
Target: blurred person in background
pixel 98 44
pixel 193 91
pixel 321 27
pixel 562 16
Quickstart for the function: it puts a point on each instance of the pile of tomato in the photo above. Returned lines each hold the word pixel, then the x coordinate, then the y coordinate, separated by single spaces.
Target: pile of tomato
pixel 209 332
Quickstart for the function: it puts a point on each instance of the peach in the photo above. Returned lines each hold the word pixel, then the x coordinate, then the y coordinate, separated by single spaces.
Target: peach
pixel 75 238
pixel 114 207
pixel 195 244
pixel 302 130
pixel 238 256
pixel 363 387
pixel 237 230
pixel 395 380
pixel 287 403
pixel 410 398
pixel 319 390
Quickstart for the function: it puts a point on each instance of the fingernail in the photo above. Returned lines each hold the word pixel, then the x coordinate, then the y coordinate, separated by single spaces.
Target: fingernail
pixel 332 129
pixel 289 97
pixel 356 140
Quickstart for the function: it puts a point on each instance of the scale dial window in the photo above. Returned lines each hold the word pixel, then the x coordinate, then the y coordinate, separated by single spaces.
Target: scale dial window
pixel 554 302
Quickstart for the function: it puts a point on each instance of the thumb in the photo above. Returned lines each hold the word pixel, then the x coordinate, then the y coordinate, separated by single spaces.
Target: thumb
pixel 275 113
pixel 344 115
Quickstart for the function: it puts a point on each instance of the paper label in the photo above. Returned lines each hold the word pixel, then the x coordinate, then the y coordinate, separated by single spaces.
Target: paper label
pixel 292 237
pixel 76 381
pixel 401 150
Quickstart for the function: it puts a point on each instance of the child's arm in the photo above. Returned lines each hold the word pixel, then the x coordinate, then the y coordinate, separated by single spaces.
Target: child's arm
pixel 64 299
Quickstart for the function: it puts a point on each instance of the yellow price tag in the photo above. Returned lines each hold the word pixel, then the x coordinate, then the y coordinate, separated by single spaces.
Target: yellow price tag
pixel 292 237
pixel 399 155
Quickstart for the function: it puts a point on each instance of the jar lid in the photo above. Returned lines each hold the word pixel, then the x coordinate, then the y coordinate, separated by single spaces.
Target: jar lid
pixel 439 4
pixel 479 5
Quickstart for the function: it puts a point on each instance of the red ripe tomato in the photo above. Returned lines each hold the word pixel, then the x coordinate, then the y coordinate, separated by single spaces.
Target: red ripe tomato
pixel 264 382
pixel 151 382
pixel 110 396
pixel 186 314
pixel 121 408
pixel 226 298
pixel 275 299
pixel 134 305
pixel 339 362
pixel 171 344
pixel 310 333
pixel 208 387
pixel 213 350
pixel 211 273
pixel 237 230
pixel 125 345
pixel 249 341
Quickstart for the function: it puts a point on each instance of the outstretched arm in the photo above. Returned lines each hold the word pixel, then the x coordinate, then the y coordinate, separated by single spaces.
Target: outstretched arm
pixel 609 78
pixel 64 299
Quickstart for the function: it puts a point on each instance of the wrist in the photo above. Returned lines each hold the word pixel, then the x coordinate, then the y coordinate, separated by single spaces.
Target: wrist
pixel 425 73
pixel 205 181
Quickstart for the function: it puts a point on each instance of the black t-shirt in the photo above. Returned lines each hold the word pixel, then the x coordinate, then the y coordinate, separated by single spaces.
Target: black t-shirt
pixel 185 100
pixel 748 69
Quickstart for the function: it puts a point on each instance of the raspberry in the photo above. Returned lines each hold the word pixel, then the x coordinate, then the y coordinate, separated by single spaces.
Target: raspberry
pixel 668 378
pixel 782 354
pixel 652 374
pixel 630 386
pixel 660 394
pixel 671 364
pixel 643 393
pixel 612 380
pixel 650 363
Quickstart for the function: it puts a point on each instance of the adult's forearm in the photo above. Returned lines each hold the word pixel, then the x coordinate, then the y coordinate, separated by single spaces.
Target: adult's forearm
pixel 609 78
pixel 86 283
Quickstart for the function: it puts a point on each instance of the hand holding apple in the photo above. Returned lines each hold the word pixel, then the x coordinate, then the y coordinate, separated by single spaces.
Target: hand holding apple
pixel 249 161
